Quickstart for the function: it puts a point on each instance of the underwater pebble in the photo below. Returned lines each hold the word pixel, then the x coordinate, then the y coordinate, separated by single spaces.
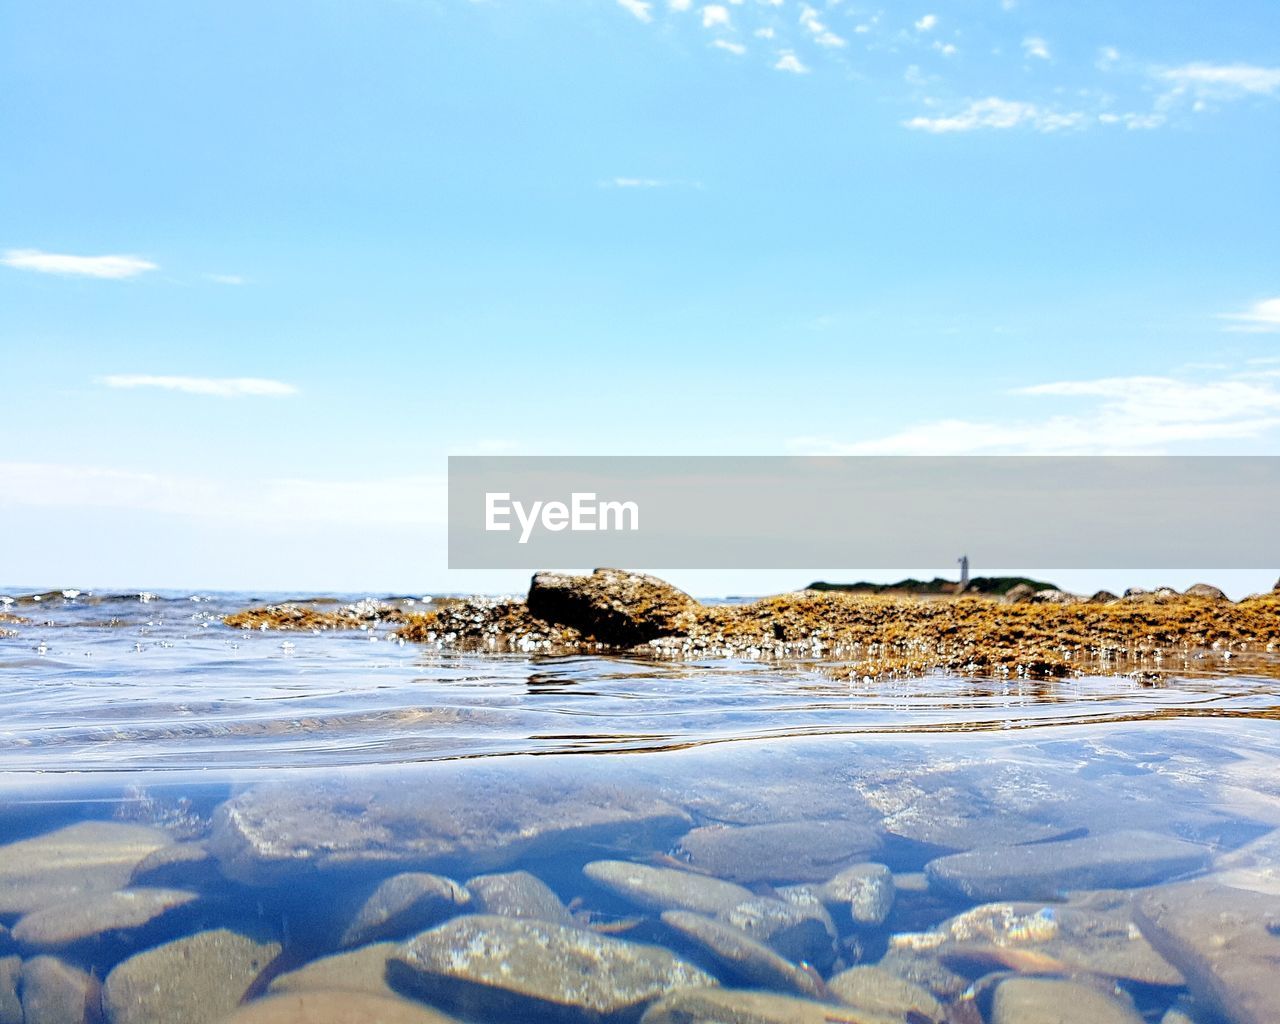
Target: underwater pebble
pixel 752 962
pixel 799 851
pixel 184 865
pixel 517 894
pixel 866 889
pixel 733 1006
pixel 335 1008
pixel 359 970
pixel 1055 1001
pixel 117 915
pixel 797 933
pixel 874 992
pixel 10 981
pixel 405 904
pixel 653 888
pixel 55 992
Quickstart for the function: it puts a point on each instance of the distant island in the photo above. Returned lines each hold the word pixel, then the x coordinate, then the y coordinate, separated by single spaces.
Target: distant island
pixel 997 585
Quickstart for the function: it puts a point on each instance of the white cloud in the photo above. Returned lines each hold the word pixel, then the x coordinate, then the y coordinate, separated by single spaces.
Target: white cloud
pixel 1123 415
pixel 113 267
pixel 219 387
pixel 679 5
pixel 1223 80
pixel 946 49
pixel 229 279
pixel 764 33
pixel 735 48
pixel 715 16
pixel 1262 316
pixel 788 61
pixel 637 7
pixel 927 24
pixel 813 24
pixel 1108 57
pixel 997 113
pixel 1035 46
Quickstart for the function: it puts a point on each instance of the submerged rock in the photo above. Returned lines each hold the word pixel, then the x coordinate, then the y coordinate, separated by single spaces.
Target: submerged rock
pixel 115 915
pixel 182 865
pixel 867 890
pixel 652 888
pixel 405 904
pixel 517 894
pixel 83 859
pixel 335 1008
pixel 1047 870
pixel 797 932
pixel 358 970
pixel 751 961
pixel 10 982
pixel 876 993
pixel 611 605
pixel 1226 941
pixel 277 831
pixel 795 851
pixel 505 968
pixel 1057 1001
pixel 197 979
pixel 55 992
pixel 733 1006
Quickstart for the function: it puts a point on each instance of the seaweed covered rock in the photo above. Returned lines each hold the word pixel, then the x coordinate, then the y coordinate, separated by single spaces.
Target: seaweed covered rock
pixel 611 605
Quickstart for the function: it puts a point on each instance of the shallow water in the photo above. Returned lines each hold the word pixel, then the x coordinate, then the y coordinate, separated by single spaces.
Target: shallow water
pixel 301 771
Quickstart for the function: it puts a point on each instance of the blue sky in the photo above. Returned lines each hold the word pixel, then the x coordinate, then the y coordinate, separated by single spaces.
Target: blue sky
pixel 264 266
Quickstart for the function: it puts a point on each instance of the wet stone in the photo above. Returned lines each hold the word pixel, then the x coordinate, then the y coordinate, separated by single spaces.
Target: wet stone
pixel 730 1006
pixel 923 969
pixel 517 894
pixel 800 851
pixel 1056 1001
pixel 405 904
pixel 510 968
pixel 750 961
pixel 1048 870
pixel 867 890
pixel 182 865
pixel 86 858
pixel 117 915
pixel 10 982
pixel 1226 941
pixel 55 992
pixel 874 992
pixel 335 1008
pixel 277 831
pixel 652 888
pixel 795 932
pixel 612 605
pixel 196 979
pixel 359 970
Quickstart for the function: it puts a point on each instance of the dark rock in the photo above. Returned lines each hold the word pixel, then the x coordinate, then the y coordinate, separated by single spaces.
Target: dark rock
pixel 1057 1001
pixel 405 904
pixel 182 865
pixel 282 831
pixel 79 860
pixel 1048 870
pixel 797 933
pixel 358 970
pixel 611 605
pixel 55 992
pixel 517 894
pixel 1226 941
pixel 799 851
pixel 517 969
pixel 652 888
pixel 733 1006
pixel 873 991
pixel 1104 597
pixel 750 961
pixel 118 915
pixel 335 1008
pixel 198 979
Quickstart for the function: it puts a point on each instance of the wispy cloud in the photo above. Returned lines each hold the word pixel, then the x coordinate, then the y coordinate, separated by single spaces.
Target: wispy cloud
pixel 735 48
pixel 648 183
pixel 219 387
pixel 637 7
pixel 228 279
pixel 815 26
pixel 1035 46
pixel 996 113
pixel 788 61
pixel 1122 415
pixel 113 267
pixel 1261 317
pixel 1223 81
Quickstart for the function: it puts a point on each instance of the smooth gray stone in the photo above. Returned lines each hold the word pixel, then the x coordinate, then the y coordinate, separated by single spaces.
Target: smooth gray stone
pixel 82 859
pixel 734 1006
pixel 506 968
pixel 197 979
pixel 794 932
pixel 405 904
pixel 114 914
pixel 335 1008
pixel 358 970
pixel 182 866
pixel 753 962
pixel 1226 941
pixel 1115 860
pixel 799 851
pixel 652 888
pixel 867 890
pixel 279 832
pixel 54 992
pixel 1057 1001
pixel 875 992
pixel 517 894
pixel 10 983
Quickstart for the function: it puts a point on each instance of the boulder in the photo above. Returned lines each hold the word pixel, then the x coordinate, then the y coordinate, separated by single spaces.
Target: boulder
pixel 405 904
pixel 506 968
pixel 115 916
pixel 654 888
pixel 55 992
pixel 1057 1001
pixel 751 962
pixel 1048 870
pixel 335 1008
pixel 796 932
pixel 732 1006
pixel 611 605
pixel 793 851
pixel 1206 590
pixel 517 894
pixel 357 970
pixel 866 890
pixel 1226 941
pixel 182 865
pixel 875 993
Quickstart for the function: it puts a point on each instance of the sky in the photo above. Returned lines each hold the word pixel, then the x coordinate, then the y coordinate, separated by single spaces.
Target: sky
pixel 263 267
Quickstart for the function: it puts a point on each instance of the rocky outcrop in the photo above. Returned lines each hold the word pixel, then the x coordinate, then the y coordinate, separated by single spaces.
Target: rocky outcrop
pixel 611 605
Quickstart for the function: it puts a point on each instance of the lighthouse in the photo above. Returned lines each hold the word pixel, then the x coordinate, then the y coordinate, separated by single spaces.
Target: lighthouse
pixel 964 573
